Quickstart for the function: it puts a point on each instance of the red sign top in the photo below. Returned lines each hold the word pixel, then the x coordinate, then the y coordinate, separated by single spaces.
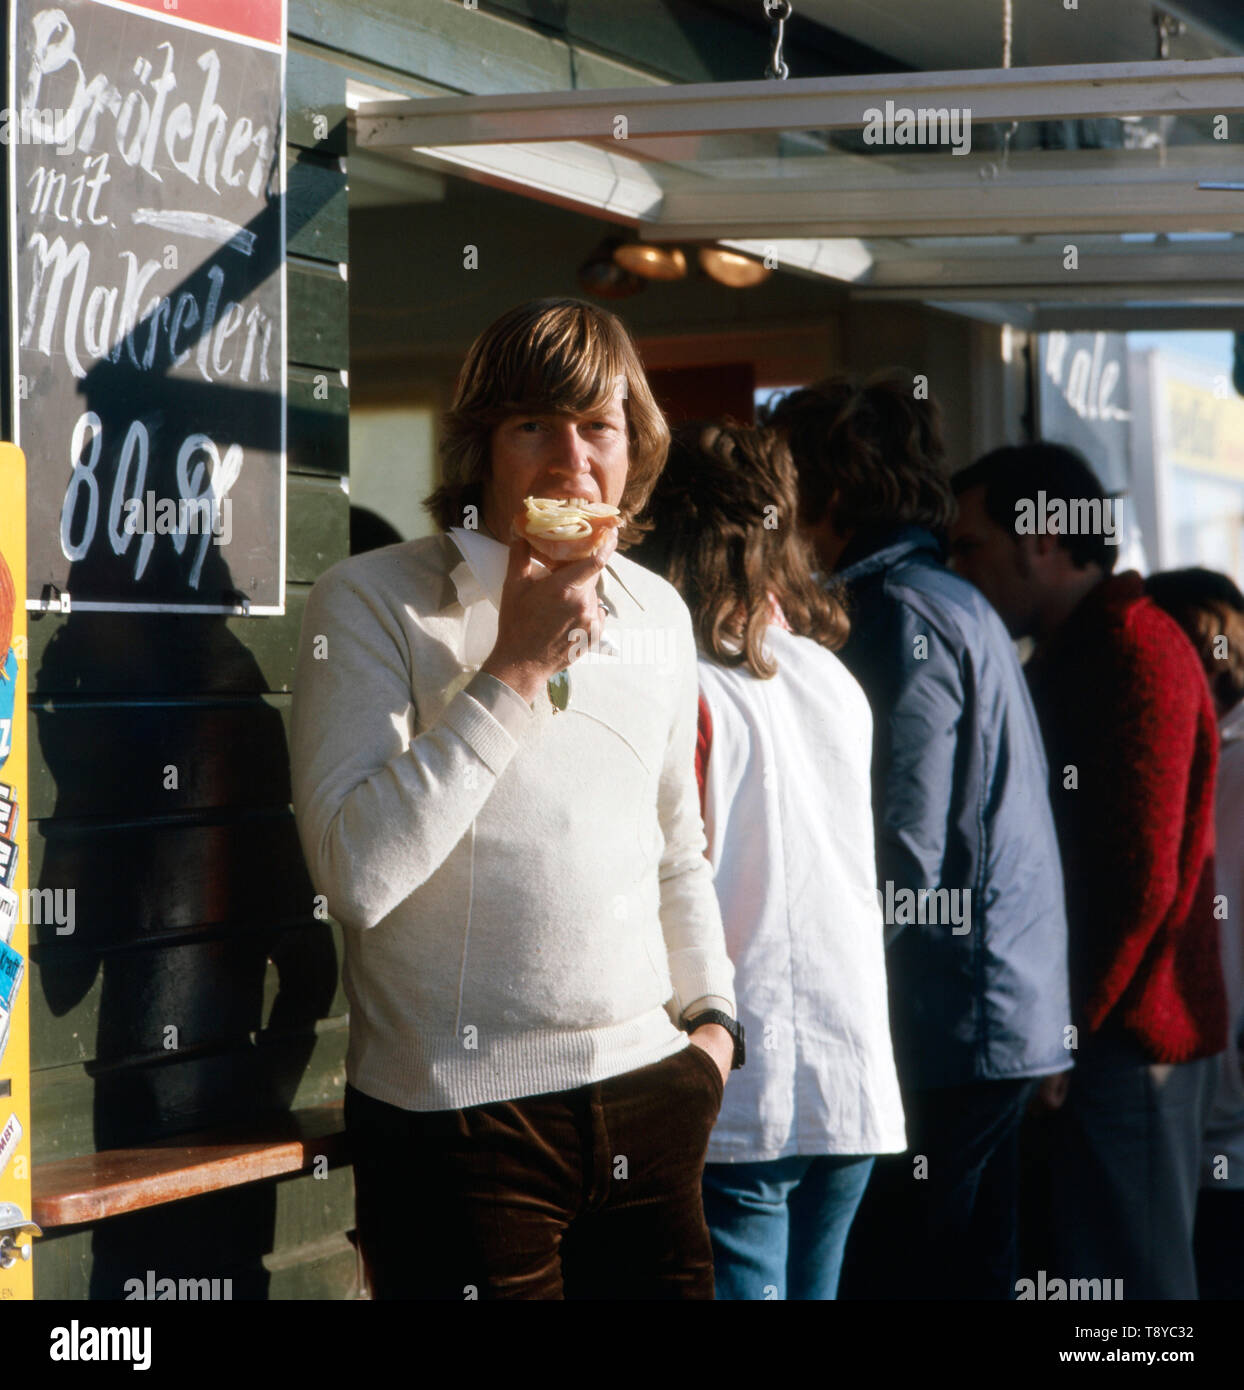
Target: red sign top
pixel 263 20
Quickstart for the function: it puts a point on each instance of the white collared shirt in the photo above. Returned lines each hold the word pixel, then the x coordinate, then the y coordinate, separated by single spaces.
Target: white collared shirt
pixel 788 816
pixel 482 575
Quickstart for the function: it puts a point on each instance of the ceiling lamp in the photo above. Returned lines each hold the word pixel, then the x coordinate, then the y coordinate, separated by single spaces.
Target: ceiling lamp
pixel 731 268
pixel 652 262
pixel 600 275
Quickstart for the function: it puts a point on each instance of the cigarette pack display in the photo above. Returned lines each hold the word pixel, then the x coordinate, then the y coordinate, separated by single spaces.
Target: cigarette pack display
pixel 9 904
pixel 8 862
pixel 12 968
pixel 10 1137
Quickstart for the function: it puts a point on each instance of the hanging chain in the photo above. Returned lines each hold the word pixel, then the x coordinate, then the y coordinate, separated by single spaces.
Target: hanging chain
pixel 1008 30
pixel 778 12
pixel 1168 28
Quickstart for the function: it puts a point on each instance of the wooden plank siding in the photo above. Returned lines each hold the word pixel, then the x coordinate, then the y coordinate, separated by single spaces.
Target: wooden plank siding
pixel 197 986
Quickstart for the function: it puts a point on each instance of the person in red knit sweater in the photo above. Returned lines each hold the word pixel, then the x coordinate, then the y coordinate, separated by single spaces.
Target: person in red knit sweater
pixel 1132 745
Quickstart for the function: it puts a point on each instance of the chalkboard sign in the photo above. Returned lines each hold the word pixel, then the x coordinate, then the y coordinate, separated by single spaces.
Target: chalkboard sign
pixel 147 246
pixel 1085 402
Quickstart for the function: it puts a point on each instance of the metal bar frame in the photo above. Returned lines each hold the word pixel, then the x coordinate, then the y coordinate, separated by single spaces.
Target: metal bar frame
pixel 824 220
pixel 1079 91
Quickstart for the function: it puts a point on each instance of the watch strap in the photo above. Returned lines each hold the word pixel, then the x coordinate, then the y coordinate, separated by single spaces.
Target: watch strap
pixel 731 1025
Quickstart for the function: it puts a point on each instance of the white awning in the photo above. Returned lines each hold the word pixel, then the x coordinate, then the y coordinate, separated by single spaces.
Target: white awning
pixel 1046 189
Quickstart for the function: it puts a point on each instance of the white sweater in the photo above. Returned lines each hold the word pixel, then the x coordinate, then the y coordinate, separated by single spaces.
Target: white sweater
pixel 788 810
pixel 525 895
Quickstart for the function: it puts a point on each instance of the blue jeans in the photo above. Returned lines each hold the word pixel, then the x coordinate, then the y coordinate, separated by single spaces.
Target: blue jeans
pixel 779 1228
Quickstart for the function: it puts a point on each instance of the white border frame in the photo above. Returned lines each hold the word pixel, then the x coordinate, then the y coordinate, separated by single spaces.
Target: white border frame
pixel 87 605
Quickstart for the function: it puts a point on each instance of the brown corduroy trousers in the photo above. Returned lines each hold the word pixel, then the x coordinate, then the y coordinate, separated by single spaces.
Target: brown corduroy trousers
pixel 592 1193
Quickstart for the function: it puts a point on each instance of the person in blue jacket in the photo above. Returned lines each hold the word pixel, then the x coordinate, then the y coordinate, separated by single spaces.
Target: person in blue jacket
pixel 967 856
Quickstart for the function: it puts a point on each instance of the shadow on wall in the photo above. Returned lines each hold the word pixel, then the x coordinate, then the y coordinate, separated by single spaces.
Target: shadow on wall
pixel 370 531
pixel 178 911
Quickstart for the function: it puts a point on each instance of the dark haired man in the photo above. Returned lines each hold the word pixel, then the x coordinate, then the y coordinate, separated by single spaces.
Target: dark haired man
pixel 967 858
pixel 513 845
pixel 1130 733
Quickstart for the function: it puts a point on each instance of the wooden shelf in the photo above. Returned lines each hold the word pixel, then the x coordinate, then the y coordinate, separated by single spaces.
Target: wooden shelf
pixel 73 1190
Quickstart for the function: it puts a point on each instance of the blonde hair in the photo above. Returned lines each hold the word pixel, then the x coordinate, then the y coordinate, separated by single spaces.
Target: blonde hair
pixel 557 356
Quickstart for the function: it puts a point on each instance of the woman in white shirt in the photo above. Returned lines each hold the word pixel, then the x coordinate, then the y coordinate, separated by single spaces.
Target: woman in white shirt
pixel 784 764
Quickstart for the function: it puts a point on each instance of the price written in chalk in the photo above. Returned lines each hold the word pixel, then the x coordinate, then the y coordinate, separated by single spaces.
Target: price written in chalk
pixel 202 507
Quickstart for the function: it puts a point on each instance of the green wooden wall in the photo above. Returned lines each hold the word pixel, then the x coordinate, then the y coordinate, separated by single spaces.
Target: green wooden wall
pixel 193 906
pixel 193 909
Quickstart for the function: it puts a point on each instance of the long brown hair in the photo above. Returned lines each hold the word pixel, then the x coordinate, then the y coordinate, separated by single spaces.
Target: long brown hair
pixel 725 533
pixel 559 356
pixel 870 451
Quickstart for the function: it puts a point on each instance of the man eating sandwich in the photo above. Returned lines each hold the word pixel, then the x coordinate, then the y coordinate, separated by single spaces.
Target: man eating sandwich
pixel 541 1004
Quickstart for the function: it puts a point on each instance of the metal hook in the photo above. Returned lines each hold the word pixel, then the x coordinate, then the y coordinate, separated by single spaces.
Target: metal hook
pixel 1168 28
pixel 778 11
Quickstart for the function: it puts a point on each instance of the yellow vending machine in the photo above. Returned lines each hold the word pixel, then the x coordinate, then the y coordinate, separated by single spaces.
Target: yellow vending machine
pixel 16 1228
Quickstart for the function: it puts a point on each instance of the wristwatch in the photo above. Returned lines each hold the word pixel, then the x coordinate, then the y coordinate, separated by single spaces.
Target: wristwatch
pixel 731 1025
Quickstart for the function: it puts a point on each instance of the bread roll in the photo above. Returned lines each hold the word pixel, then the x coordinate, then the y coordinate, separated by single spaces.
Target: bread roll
pixel 562 531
